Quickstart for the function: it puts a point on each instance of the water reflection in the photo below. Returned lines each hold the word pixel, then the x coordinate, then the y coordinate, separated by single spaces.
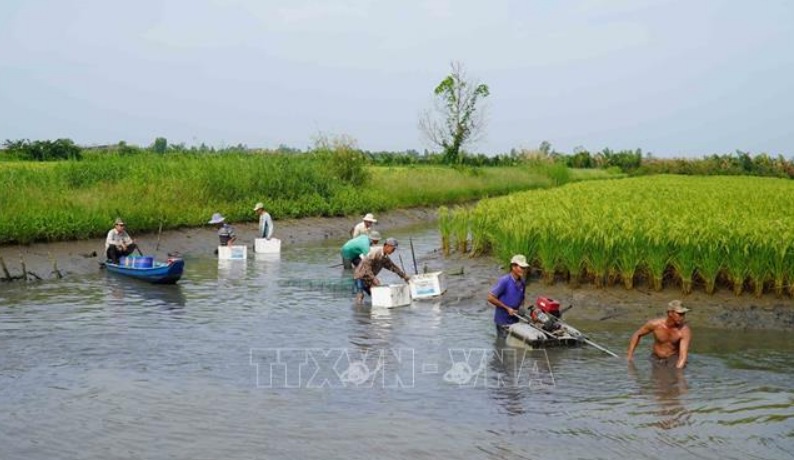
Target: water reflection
pixel 519 374
pixel 90 365
pixel 232 269
pixel 372 327
pixel 130 291
pixel 666 385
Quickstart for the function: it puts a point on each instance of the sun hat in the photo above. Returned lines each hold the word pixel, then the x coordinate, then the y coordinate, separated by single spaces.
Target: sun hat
pixel 370 218
pixel 119 221
pixel 259 206
pixel 374 235
pixel 677 306
pixel 519 260
pixel 391 242
pixel 217 218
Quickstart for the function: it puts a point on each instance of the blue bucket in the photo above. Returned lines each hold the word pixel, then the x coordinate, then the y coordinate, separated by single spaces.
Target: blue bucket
pixel 137 262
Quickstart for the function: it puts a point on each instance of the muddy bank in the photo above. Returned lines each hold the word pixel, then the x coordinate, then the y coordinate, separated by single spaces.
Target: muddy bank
pixel 467 290
pixel 615 304
pixel 82 257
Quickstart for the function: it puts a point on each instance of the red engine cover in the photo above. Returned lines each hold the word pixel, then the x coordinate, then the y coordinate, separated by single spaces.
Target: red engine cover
pixel 548 305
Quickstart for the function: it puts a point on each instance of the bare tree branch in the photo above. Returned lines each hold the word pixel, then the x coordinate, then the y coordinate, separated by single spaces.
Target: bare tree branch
pixel 456 120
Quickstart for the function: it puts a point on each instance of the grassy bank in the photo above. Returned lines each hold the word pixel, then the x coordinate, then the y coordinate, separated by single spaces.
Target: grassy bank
pixel 79 199
pixel 693 232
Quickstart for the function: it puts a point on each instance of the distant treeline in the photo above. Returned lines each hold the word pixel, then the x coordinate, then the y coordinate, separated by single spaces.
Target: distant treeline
pixel 632 162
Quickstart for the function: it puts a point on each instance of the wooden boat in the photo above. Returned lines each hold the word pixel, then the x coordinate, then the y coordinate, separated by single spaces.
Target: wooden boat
pixel 531 334
pixel 159 273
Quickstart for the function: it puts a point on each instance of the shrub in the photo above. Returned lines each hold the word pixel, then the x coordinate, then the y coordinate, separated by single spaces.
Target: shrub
pixel 61 149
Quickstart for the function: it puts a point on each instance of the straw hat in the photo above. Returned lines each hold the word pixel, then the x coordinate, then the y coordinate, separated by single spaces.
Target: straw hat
pixel 217 218
pixel 370 218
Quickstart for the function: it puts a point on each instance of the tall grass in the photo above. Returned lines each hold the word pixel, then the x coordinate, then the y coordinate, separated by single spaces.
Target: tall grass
pixel 74 200
pixel 693 231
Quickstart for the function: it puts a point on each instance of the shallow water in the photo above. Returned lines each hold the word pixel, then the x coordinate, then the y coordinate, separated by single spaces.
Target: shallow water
pixel 271 359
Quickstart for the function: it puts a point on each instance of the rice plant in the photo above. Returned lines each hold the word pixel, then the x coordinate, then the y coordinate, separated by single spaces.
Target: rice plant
pixel 445 229
pixel 460 229
pixel 706 230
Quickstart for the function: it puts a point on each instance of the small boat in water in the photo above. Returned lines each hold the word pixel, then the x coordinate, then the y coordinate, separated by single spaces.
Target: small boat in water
pixel 535 336
pixel 146 269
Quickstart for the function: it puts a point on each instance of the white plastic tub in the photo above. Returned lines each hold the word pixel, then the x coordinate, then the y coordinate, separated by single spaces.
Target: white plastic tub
pixel 393 295
pixel 428 285
pixel 265 246
pixel 238 252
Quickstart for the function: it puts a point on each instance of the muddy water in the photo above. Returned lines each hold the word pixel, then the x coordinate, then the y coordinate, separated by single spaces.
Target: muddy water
pixel 271 359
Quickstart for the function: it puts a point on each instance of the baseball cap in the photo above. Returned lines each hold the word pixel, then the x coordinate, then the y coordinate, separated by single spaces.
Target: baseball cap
pixel 519 260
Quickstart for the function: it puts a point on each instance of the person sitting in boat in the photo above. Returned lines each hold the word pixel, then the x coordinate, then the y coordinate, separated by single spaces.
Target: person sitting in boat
pixel 507 295
pixel 357 248
pixel 265 222
pixel 226 233
pixel 367 271
pixel 671 337
pixel 365 226
pixel 119 244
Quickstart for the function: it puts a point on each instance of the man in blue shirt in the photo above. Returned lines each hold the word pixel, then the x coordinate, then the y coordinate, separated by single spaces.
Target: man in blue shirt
pixel 507 295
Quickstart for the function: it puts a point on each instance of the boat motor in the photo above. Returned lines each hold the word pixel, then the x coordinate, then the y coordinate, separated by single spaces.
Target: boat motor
pixel 546 311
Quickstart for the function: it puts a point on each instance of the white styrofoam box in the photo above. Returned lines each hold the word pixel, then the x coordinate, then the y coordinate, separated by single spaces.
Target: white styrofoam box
pixel 265 246
pixel 238 252
pixel 393 295
pixel 428 285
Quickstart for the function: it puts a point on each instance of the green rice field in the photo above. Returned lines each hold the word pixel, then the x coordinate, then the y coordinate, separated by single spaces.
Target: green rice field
pixel 691 232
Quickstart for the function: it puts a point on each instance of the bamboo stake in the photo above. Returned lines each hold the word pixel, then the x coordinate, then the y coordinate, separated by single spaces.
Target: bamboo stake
pixel 55 270
pixel 24 268
pixel 5 269
pixel 159 234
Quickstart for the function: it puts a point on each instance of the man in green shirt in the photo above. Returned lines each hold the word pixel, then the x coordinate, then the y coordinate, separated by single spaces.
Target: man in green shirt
pixel 358 247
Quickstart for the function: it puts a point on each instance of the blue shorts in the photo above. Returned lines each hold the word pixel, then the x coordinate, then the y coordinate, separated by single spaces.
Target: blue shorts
pixel 360 287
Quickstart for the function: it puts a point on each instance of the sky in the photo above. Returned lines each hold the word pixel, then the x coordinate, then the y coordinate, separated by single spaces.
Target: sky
pixel 676 78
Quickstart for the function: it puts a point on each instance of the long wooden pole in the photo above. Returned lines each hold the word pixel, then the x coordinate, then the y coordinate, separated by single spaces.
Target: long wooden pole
pixel 413 255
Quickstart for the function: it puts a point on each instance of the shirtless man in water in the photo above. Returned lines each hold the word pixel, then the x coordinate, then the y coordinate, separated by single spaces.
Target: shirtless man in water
pixel 671 334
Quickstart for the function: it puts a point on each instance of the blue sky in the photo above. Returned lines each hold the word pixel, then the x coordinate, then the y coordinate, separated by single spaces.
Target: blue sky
pixel 678 78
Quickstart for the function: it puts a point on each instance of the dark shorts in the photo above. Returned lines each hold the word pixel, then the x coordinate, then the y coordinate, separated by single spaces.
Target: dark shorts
pixel 663 362
pixel 114 254
pixel 349 264
pixel 501 330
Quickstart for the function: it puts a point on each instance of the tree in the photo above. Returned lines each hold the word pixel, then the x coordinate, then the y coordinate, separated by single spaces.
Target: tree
pixel 545 148
pixel 60 149
pixel 455 121
pixel 160 145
